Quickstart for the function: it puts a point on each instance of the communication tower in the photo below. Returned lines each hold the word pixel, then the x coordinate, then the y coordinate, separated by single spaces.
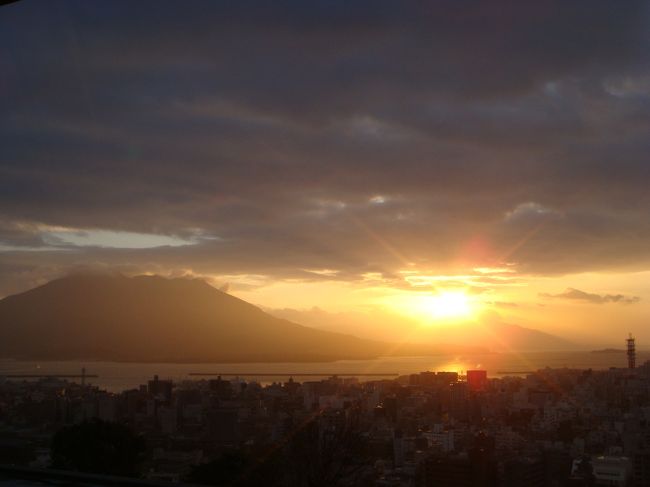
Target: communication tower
pixel 631 352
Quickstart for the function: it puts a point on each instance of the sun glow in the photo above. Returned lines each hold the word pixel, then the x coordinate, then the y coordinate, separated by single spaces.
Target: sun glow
pixel 456 365
pixel 444 306
pixel 447 305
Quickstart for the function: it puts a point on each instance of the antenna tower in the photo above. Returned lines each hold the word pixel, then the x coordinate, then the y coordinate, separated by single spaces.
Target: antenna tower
pixel 631 352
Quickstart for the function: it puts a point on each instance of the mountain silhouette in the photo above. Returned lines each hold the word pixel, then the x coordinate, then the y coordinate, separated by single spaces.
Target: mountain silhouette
pixel 151 318
pixel 499 336
pixel 486 331
pixel 155 319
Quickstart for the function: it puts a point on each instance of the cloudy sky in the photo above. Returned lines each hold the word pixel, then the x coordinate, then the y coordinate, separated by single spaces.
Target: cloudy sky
pixel 358 157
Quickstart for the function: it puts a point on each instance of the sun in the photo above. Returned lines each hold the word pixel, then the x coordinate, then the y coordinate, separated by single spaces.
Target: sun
pixel 446 305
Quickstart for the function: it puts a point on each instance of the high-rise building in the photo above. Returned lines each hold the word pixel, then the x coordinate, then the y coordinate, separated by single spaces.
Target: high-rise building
pixel 477 380
pixel 161 390
pixel 221 388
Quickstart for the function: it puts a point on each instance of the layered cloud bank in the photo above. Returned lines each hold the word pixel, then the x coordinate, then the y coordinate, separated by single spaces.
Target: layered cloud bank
pixel 312 141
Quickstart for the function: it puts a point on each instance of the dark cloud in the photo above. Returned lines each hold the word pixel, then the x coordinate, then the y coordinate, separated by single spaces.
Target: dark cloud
pixel 578 295
pixel 354 136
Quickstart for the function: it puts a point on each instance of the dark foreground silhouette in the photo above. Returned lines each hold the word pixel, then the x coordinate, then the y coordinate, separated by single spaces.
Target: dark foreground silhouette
pixel 100 447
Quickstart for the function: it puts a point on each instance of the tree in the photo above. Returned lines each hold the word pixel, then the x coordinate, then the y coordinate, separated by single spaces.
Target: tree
pixel 241 468
pixel 326 450
pixel 98 447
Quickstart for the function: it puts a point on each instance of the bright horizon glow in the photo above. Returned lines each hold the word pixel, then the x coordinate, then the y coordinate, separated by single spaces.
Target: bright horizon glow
pixel 444 306
pixel 375 308
pixel 447 304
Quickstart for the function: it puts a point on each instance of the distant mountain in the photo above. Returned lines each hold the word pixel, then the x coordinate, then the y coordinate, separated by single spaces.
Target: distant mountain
pixel 509 337
pixel 505 337
pixel 488 331
pixel 154 319
pixel 148 318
